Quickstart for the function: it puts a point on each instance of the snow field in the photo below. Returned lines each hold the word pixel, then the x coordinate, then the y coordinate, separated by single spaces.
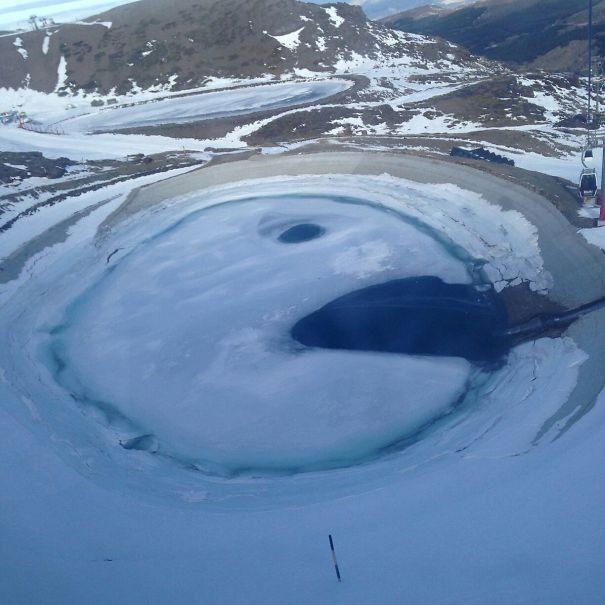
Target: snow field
pixel 477 505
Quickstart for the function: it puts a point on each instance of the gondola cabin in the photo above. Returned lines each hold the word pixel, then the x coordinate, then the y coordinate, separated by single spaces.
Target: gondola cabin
pixel 587 187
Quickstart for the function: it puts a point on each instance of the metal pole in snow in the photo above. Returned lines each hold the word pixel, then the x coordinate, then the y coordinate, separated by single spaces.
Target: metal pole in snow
pixel 334 558
pixel 589 60
pixel 602 200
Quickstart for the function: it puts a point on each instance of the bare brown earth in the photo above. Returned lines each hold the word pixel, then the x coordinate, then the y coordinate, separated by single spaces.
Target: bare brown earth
pixel 497 102
pixel 508 99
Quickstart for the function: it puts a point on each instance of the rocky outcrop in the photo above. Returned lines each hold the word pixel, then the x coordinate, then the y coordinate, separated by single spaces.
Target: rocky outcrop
pixel 22 165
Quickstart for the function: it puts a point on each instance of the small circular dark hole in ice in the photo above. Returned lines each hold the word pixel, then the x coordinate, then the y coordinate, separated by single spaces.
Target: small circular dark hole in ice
pixel 301 233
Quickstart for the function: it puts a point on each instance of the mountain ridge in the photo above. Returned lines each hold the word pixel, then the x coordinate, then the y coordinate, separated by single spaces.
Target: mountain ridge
pixel 536 34
pixel 149 43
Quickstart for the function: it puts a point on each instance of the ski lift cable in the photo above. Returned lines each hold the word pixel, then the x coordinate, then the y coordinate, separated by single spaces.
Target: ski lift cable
pixel 589 65
pixel 587 185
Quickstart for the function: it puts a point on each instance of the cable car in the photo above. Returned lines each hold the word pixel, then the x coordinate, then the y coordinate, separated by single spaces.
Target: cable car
pixel 587 156
pixel 587 186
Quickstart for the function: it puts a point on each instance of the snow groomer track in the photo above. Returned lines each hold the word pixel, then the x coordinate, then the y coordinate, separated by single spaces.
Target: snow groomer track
pixel 151 369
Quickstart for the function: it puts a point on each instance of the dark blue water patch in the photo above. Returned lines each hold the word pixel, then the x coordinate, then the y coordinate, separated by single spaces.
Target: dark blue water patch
pixel 301 233
pixel 413 316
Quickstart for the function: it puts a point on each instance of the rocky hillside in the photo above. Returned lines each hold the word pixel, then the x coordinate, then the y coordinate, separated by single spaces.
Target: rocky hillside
pixel 183 42
pixel 512 100
pixel 537 34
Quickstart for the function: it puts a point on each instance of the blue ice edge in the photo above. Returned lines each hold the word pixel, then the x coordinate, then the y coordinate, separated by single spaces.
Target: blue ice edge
pixel 53 355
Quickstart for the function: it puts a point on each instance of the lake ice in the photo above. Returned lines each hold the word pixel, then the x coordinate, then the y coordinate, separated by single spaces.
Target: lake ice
pixel 206 106
pixel 188 337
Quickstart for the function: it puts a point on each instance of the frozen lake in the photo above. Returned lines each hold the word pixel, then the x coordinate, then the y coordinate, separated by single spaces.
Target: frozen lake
pixel 206 106
pixel 190 311
pixel 193 327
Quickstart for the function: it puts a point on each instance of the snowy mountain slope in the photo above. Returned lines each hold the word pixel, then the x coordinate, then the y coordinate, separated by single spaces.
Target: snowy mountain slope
pixel 269 40
pixel 405 84
pixel 183 43
pixel 548 34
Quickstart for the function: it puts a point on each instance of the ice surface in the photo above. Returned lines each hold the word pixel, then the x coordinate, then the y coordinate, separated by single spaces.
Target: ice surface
pixel 207 106
pixel 192 328
pixel 501 244
pixel 191 318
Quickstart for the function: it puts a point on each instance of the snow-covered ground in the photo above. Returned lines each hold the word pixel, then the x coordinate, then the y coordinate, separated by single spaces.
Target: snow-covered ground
pixel 36 224
pixel 81 147
pixel 503 514
pixel 445 528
